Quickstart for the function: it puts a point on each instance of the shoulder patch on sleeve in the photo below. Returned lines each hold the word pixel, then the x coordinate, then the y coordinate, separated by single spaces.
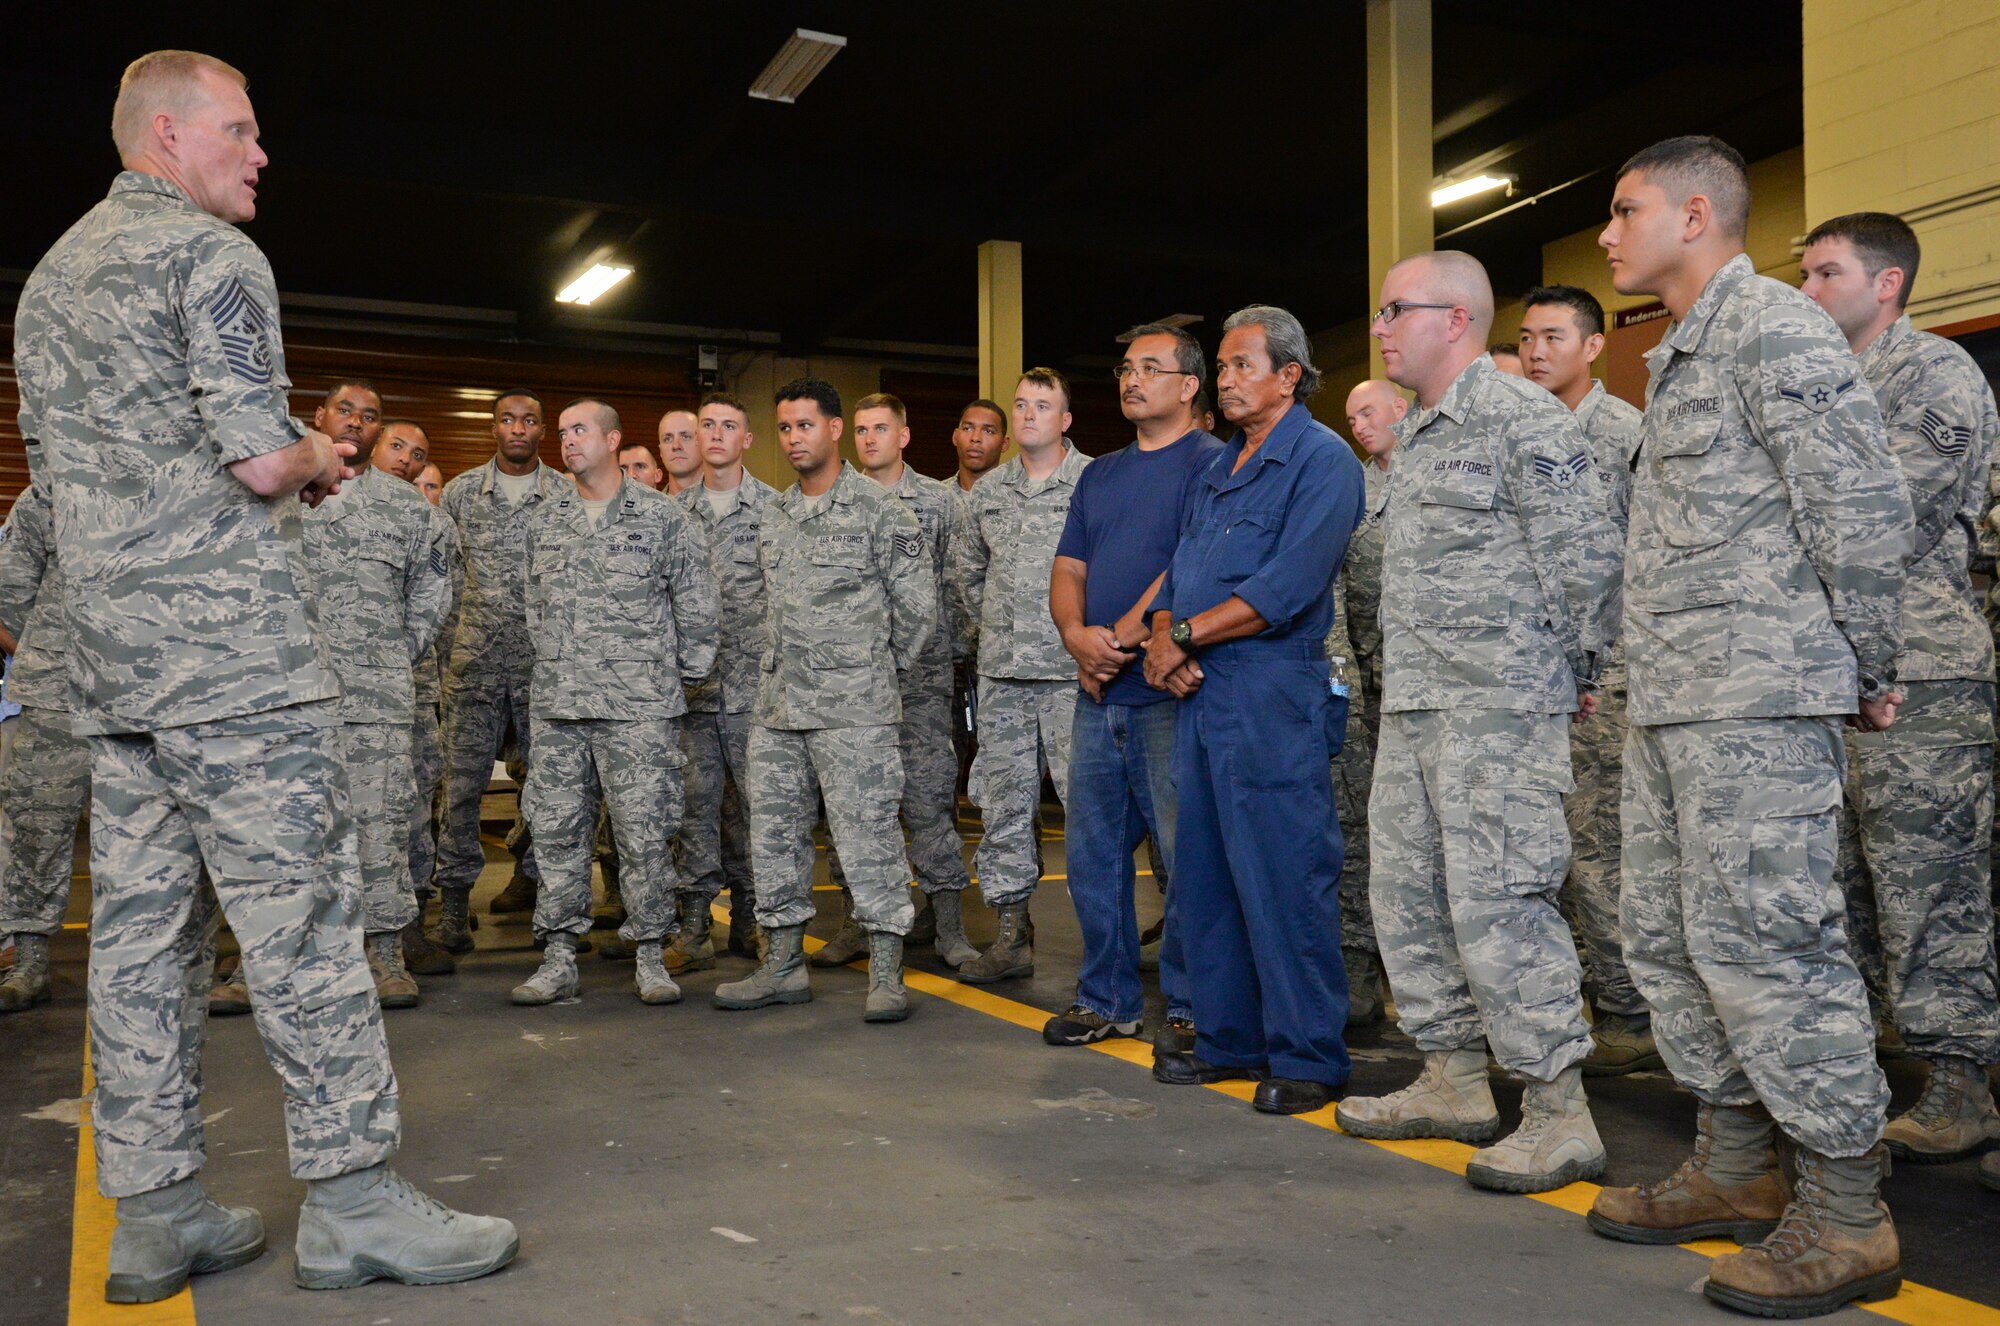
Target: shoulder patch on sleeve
pixel 1945 437
pixel 1563 473
pixel 244 329
pixel 1819 397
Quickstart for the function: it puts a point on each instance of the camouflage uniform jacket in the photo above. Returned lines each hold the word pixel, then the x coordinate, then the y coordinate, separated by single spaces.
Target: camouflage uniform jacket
pixel 1500 565
pixel 1361 574
pixel 853 601
pixel 1939 413
pixel 1003 569
pixel 382 584
pixel 32 606
pixel 150 360
pixel 1611 426
pixel 1770 524
pixel 942 517
pixel 732 554
pixel 620 611
pixel 430 669
pixel 491 639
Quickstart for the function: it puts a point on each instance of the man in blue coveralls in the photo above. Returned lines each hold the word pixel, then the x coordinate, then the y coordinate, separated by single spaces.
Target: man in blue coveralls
pixel 1239 633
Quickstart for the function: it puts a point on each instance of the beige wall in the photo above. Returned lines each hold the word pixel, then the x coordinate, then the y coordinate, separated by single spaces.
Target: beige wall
pixel 1902 114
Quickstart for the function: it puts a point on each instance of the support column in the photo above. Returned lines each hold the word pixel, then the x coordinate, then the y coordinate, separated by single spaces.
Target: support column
pixel 1000 320
pixel 1399 140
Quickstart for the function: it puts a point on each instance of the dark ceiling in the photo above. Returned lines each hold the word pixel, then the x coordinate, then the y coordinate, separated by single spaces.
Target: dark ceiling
pixel 1152 158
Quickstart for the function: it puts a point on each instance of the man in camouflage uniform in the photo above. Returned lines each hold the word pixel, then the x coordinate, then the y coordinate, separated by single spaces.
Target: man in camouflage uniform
pixel 488 675
pixel 852 602
pixel 44 767
pixel 1763 590
pixel 980 441
pixel 1027 680
pixel 1562 333
pixel 153 395
pixel 714 844
pixel 383 586
pixel 1913 847
pixel 621 607
pixel 930 768
pixel 1374 411
pixel 1500 572
pixel 420 954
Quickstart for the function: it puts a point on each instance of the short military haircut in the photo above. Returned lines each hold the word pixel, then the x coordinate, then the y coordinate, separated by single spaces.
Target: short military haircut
pixel 1698 164
pixel 345 383
pixel 1188 358
pixel 432 465
pixel 1285 342
pixel 1502 348
pixel 728 398
pixel 817 390
pixel 522 392
pixel 161 82
pixel 1050 378
pixel 624 447
pixel 983 404
pixel 1583 305
pixel 607 418
pixel 1454 276
pixel 388 424
pixel 1880 240
pixel 882 400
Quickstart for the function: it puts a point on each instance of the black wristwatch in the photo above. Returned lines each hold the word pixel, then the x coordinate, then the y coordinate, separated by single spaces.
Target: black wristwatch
pixel 1182 634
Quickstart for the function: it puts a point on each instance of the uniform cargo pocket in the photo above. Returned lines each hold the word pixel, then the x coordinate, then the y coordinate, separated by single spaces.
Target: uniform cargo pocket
pixel 1679 620
pixel 1769 891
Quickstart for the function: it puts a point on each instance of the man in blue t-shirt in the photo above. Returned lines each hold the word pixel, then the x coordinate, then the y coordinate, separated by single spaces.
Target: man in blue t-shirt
pixel 1123 524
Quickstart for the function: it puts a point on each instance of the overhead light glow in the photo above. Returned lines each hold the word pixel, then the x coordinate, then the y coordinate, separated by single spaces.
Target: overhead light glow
pixel 586 289
pixel 796 64
pixel 1451 193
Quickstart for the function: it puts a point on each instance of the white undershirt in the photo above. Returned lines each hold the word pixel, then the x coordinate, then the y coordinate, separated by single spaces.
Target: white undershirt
pixel 719 500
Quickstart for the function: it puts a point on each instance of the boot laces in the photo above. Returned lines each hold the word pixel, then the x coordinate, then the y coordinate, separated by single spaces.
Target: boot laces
pixel 1704 1147
pixel 1941 1101
pixel 415 1200
pixel 1799 1230
pixel 1539 1113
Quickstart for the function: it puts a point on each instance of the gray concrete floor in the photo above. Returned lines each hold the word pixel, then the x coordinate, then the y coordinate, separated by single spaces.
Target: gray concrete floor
pixel 687 1165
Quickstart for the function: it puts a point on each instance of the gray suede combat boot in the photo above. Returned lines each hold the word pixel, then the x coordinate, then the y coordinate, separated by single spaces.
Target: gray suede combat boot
pixel 373 1225
pixel 166 1235
pixel 781 976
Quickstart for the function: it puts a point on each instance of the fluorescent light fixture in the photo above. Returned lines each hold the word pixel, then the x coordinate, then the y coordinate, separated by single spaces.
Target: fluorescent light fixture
pixel 586 289
pixel 796 64
pixel 1451 193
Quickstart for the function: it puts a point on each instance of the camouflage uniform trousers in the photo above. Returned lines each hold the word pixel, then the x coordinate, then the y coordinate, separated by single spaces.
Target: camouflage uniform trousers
pixel 427 747
pixel 476 723
pixel 257 800
pixel 1590 894
pixel 382 793
pixel 632 767
pixel 1023 732
pixel 44 789
pixel 713 849
pixel 1353 775
pixel 860 771
pixel 1735 930
pixel 1913 867
pixel 930 796
pixel 1470 849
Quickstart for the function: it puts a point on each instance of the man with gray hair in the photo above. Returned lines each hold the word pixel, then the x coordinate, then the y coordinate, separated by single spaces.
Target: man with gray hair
pixel 1239 631
pixel 155 411
pixel 1500 573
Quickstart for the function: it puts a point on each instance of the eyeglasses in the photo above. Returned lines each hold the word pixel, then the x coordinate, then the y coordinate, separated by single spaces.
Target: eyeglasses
pixel 1397 308
pixel 1145 372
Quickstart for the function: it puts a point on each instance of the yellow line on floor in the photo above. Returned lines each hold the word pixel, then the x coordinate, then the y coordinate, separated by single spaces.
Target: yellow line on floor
pixel 90 1242
pixel 1914 1304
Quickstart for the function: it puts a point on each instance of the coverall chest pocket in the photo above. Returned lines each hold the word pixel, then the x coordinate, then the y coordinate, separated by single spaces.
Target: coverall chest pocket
pixel 1244 542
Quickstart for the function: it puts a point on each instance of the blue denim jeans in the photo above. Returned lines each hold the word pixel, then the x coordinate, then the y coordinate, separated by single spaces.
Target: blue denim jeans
pixel 1121 785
